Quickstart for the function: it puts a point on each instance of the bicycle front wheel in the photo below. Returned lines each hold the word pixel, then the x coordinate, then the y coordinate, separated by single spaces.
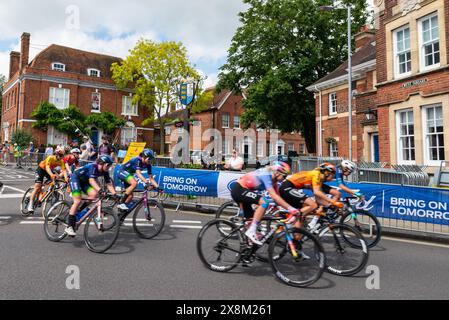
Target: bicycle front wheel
pixel 229 210
pixel 54 198
pixel 302 268
pixel 218 252
pixel 367 224
pixel 56 221
pixel 101 236
pixel 25 202
pixel 343 256
pixel 149 220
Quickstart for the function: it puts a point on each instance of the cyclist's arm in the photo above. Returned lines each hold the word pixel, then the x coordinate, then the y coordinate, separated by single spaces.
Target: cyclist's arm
pixel 94 184
pixel 346 189
pixel 321 195
pixel 111 188
pixel 140 175
pixel 50 173
pixel 277 198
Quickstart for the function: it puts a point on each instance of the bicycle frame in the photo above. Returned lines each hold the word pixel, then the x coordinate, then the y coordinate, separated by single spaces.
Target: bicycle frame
pixel 98 206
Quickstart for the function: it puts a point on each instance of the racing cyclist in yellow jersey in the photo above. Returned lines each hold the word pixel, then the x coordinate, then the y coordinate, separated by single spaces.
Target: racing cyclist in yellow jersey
pixel 46 170
pixel 290 190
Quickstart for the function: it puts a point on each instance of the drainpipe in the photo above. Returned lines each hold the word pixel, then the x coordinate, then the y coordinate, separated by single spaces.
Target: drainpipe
pixel 19 104
pixel 320 126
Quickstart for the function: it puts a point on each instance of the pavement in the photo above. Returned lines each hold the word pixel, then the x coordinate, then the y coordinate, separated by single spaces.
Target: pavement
pixel 168 267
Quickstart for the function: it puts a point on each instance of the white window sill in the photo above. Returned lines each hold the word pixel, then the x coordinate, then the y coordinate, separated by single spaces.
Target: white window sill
pixel 95 111
pixel 407 162
pixel 130 115
pixel 430 68
pixel 402 75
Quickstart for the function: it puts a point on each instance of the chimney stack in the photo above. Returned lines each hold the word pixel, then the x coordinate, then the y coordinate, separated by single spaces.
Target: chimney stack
pixel 24 50
pixel 365 36
pixel 14 62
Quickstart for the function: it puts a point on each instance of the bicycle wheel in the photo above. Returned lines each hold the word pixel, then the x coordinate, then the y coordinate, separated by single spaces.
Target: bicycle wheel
pixel 230 211
pixel 218 252
pixel 148 221
pixel 56 221
pixel 343 257
pixel 366 223
pixel 98 238
pixel 25 201
pixel 54 197
pixel 304 270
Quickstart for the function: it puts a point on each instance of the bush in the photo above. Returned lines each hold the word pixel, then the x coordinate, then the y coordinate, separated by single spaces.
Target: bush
pixel 22 138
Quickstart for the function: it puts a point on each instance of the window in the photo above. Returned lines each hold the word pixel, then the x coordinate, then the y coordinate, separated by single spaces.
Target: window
pixel 226 147
pixel 429 42
pixel 259 150
pixel 167 131
pixel 291 147
pixel 403 56
pixel 225 121
pixel 128 134
pixel 236 122
pixel 302 148
pixel 333 149
pixel 406 134
pixel 93 72
pixel 58 66
pixel 59 97
pixel 96 100
pixel 434 133
pixel 129 109
pixel 333 104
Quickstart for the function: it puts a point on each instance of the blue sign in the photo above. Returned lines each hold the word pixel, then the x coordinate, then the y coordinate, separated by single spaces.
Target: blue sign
pixel 186 93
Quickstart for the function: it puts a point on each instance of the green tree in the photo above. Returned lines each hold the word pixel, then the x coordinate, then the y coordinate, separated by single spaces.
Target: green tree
pixel 22 138
pixel 155 71
pixel 107 121
pixel 282 47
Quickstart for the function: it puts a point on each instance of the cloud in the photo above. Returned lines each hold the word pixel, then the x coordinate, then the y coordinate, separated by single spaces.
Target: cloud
pixel 113 27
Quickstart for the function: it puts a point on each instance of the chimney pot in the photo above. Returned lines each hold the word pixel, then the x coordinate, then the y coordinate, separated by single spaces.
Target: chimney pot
pixel 24 50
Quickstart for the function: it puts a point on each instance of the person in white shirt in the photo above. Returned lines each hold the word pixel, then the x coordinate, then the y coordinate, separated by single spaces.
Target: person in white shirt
pixel 235 163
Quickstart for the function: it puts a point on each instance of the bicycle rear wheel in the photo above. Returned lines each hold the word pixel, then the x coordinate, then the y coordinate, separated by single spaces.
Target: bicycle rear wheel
pixel 218 252
pixel 98 238
pixel 56 221
pixel 304 270
pixel 343 257
pixel 55 197
pixel 367 224
pixel 148 221
pixel 229 211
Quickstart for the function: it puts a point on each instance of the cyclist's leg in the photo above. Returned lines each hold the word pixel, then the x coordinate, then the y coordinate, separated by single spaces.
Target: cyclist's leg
pixel 336 195
pixel 40 175
pixel 130 184
pixel 297 199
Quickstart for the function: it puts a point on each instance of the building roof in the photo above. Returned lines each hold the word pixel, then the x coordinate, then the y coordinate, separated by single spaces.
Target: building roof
pixel 76 61
pixel 364 55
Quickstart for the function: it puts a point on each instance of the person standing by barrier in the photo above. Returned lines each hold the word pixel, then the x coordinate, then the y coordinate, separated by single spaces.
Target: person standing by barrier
pixel 18 155
pixel 106 148
pixel 235 163
pixel 49 151
pixel 84 157
pixel 5 153
pixel 40 153
pixel 93 154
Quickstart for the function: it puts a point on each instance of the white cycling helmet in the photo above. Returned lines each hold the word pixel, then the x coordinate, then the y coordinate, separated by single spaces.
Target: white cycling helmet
pixel 76 150
pixel 348 165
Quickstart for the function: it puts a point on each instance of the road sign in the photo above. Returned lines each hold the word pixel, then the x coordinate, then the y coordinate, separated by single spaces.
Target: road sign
pixel 186 93
pixel 135 148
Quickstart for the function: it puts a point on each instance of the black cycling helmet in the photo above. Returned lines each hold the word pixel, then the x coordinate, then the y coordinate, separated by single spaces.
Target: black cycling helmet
pixel 148 153
pixel 105 159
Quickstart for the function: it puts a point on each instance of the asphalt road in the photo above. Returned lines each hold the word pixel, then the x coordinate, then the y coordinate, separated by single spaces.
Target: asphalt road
pixel 168 267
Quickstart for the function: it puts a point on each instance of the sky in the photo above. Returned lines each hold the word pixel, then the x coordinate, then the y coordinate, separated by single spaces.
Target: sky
pixel 113 27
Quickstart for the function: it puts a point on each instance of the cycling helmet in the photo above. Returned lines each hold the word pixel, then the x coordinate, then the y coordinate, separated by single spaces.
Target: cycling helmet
pixel 281 167
pixel 60 151
pixel 76 150
pixel 148 153
pixel 105 159
pixel 348 165
pixel 328 167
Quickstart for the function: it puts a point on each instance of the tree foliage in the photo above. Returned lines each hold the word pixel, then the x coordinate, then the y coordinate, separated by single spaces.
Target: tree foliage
pixel 155 70
pixel 22 138
pixel 282 47
pixel 106 121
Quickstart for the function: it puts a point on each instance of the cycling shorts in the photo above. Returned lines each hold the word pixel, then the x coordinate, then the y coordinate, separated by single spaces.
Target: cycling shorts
pixel 40 175
pixel 79 186
pixel 245 197
pixel 292 195
pixel 327 189
pixel 125 176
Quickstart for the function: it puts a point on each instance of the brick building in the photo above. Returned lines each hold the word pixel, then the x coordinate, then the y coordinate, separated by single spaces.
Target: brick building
pixel 224 114
pixel 408 104
pixel 65 76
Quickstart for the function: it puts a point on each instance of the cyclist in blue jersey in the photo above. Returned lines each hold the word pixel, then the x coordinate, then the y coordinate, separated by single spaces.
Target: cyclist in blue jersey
pixel 136 166
pixel 345 169
pixel 84 180
pixel 246 193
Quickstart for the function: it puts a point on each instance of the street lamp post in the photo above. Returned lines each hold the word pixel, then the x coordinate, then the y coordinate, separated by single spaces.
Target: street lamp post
pixel 329 8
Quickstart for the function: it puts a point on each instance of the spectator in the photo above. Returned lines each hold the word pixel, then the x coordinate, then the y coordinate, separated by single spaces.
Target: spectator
pixel 235 163
pixel 5 153
pixel 49 151
pixel 93 155
pixel 41 152
pixel 106 148
pixel 88 143
pixel 18 155
pixel 84 155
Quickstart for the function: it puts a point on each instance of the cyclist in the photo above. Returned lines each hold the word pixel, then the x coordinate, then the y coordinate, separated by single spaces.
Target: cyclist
pixel 72 160
pixel 290 189
pixel 84 180
pixel 46 170
pixel 345 169
pixel 245 193
pixel 136 166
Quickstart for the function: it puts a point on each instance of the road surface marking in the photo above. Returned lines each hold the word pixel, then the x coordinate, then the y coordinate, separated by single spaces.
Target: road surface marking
pixel 186 221
pixel 5 218
pixel 185 227
pixel 15 189
pixel 31 222
pixel 417 242
pixel 11 196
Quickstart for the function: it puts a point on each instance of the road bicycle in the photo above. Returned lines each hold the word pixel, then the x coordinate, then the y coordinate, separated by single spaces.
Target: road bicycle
pixel 51 192
pixel 296 256
pixel 149 215
pixel 101 225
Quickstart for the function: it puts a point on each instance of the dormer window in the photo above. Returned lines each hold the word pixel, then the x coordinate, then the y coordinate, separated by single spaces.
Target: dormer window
pixel 57 66
pixel 93 72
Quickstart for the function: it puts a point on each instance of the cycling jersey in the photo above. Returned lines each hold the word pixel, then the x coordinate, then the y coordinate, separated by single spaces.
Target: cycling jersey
pixel 339 176
pixel 136 164
pixel 53 163
pixel 306 179
pixel 70 161
pixel 91 171
pixel 261 179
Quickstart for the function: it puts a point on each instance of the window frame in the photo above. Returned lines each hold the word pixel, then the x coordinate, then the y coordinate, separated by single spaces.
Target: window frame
pixel 238 121
pixel 422 55
pixel 134 106
pixel 399 147
pixel 426 134
pixel 99 102
pixel 96 70
pixel 66 97
pixel 331 105
pixel 222 120
pixel 58 63
pixel 397 73
pixel 333 149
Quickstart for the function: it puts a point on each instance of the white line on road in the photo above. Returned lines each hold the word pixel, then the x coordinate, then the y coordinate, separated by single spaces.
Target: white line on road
pixel 11 196
pixel 5 218
pixel 185 227
pixel 186 221
pixel 31 222
pixel 417 242
pixel 15 189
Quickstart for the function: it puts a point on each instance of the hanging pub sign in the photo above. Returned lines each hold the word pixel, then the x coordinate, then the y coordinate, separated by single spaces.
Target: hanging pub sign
pixel 186 93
